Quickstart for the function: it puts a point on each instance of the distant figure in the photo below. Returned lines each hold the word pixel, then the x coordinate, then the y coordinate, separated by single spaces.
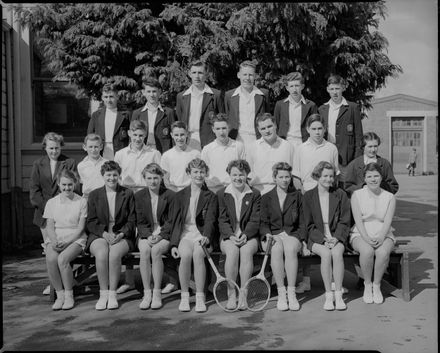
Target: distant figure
pixel 412 162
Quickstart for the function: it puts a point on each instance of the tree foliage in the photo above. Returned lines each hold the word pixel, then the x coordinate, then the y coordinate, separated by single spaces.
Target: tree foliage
pixel 90 44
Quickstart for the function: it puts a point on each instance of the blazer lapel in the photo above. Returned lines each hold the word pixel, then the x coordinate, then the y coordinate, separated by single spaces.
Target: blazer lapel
pixel 284 124
pixel 245 205
pixel 120 195
pixel 202 201
pixel 45 167
pixel 235 101
pixel 186 198
pixel 258 102
pixel 304 111
pixel 318 221
pixel 160 115
pixel 288 202
pixel 326 108
pixel 332 204
pixel 119 119
pixel 342 110
pixel 230 206
pixel 104 204
pixel 186 101
pixel 207 98
pixel 160 205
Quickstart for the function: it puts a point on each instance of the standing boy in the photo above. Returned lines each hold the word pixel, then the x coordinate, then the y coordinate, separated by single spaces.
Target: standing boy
pixel 244 103
pixel 194 106
pixel 220 152
pixel 156 118
pixel 110 123
pixel 344 125
pixel 292 112
pixel 89 169
pixel 265 152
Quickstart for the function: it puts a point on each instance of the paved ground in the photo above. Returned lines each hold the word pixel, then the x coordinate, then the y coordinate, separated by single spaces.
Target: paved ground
pixel 395 326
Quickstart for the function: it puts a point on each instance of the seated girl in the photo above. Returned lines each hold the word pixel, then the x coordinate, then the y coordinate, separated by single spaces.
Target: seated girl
pixel 239 221
pixel 194 215
pixel 66 237
pixel 282 218
pixel 373 210
pixel 111 226
pixel 327 220
pixel 152 220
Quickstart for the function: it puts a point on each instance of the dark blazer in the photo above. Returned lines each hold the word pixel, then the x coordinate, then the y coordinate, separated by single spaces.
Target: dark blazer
pixel 249 214
pixel 206 214
pixel 211 103
pixel 98 215
pixel 290 219
pixel 354 178
pixel 122 125
pixel 144 213
pixel 349 131
pixel 232 110
pixel 339 217
pixel 41 185
pixel 162 126
pixel 281 115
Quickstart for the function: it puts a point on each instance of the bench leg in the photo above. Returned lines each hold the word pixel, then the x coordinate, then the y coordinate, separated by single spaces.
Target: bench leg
pixel 404 268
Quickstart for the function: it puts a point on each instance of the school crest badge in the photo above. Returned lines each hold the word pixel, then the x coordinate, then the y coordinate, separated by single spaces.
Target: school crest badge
pixel 165 131
pixel 350 128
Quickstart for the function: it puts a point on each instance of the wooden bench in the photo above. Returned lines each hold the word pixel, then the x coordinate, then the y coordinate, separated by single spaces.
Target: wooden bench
pixel 397 274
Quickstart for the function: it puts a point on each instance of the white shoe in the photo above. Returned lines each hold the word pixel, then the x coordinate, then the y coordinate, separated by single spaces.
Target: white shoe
pixel 46 290
pixel 291 297
pixel 377 294
pixel 303 287
pixel 242 304
pixel 58 305
pixel 232 301
pixel 169 288
pixel 328 305
pixel 146 300
pixel 368 293
pixel 69 302
pixel 184 302
pixel 344 290
pixel 156 302
pixel 282 300
pixel 124 288
pixel 200 303
pixel 112 301
pixel 101 304
pixel 340 305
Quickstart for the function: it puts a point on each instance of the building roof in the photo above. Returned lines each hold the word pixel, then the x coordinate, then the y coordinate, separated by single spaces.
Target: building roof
pixel 404 97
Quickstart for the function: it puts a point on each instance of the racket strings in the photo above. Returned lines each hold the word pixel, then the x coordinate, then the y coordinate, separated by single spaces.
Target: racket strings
pixel 226 294
pixel 257 294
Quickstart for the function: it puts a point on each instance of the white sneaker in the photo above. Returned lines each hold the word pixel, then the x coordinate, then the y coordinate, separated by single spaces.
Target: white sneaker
pixel 58 305
pixel 340 305
pixel 46 290
pixel 368 293
pixel 303 287
pixel 344 290
pixel 377 294
pixel 156 302
pixel 200 303
pixel 184 302
pixel 242 304
pixel 291 297
pixel 169 288
pixel 112 301
pixel 69 302
pixel 146 300
pixel 328 305
pixel 101 304
pixel 124 288
pixel 282 300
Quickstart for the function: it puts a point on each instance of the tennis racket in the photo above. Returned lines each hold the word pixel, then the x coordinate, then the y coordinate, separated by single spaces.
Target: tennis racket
pixel 257 288
pixel 226 291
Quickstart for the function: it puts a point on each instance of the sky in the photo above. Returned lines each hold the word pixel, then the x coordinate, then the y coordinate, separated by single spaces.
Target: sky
pixel 411 29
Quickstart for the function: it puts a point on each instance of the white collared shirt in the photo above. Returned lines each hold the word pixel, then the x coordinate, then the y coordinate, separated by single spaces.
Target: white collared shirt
pixel 324 202
pixel 368 160
pixel 238 201
pixel 89 171
pixel 262 156
pixel 195 107
pixel 111 198
pixel 133 162
pixel 281 197
pixel 154 199
pixel 246 108
pixel 308 155
pixel 294 118
pixel 109 123
pixel 217 156
pixel 152 115
pixel 333 112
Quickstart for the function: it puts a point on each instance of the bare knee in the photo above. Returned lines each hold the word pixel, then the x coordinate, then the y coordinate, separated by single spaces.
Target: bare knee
pixel 63 261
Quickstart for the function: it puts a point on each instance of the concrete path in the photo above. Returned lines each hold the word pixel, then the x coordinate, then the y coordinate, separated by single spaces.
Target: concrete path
pixel 395 326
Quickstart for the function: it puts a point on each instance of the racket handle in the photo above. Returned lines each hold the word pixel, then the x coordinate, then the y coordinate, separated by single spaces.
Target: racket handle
pixel 269 246
pixel 205 250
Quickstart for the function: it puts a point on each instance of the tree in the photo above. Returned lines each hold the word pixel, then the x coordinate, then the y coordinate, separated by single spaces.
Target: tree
pixel 91 43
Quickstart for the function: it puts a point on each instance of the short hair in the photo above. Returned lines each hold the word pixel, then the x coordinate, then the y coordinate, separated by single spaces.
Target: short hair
pixel 294 76
pixel 52 136
pixel 109 87
pixel 280 166
pixel 213 118
pixel 69 174
pixel 248 63
pixel 110 166
pixel 335 80
pixel 152 168
pixel 93 137
pixel 241 164
pixel 197 63
pixel 373 167
pixel 152 82
pixel 263 117
pixel 370 136
pixel 179 124
pixel 317 171
pixel 196 163
pixel 137 125
pixel 313 118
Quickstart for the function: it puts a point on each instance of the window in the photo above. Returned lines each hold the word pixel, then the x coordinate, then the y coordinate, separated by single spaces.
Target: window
pixel 57 104
pixel 408 122
pixel 406 138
